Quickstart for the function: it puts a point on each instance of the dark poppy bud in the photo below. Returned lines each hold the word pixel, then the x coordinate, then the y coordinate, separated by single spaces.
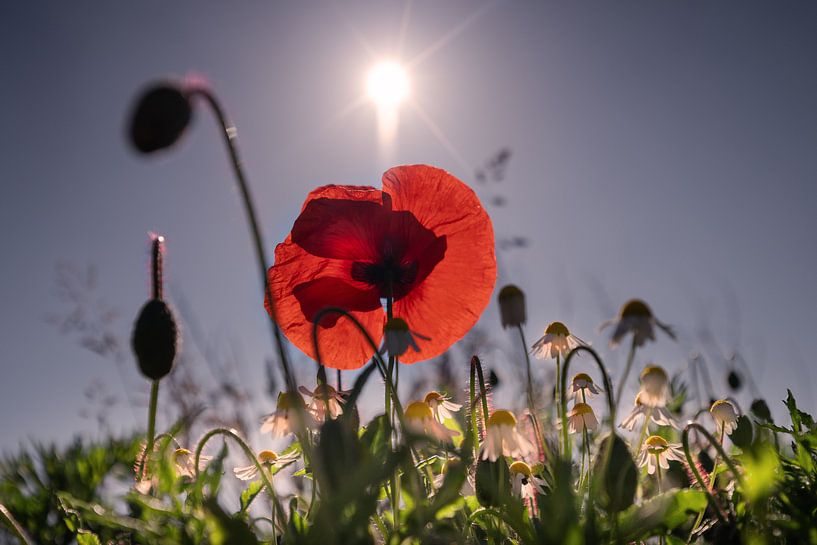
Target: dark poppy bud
pixel 511 306
pixel 154 341
pixel 161 115
pixel 734 380
pixel 761 410
pixel 493 379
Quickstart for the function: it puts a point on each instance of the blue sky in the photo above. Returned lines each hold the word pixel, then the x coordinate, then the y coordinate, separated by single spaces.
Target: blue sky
pixel 660 150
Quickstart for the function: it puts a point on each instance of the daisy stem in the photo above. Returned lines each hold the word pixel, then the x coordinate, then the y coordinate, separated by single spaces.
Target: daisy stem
pixel 715 461
pixel 12 523
pixel 644 429
pixel 250 455
pixel 560 409
pixel 230 134
pixel 627 367
pixel 658 471
pixel 531 405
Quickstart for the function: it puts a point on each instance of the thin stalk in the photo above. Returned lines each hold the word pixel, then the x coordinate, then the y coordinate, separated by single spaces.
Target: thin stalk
pixel 15 527
pixel 627 367
pixel 531 404
pixel 230 134
pixel 473 399
pixel 644 429
pixel 154 399
pixel 483 391
pixel 561 408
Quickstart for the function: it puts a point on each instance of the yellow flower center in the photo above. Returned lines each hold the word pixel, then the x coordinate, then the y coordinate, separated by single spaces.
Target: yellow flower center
pixel 180 453
pixel 582 377
pixel 656 444
pixel 433 396
pixel 267 457
pixel 287 400
pixel 418 410
pixel 557 328
pixel 520 467
pixel 582 408
pixel 635 307
pixel 653 372
pixel 396 325
pixel 502 418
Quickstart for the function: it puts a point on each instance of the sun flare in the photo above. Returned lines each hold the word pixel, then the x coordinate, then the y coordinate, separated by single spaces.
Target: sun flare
pixel 387 84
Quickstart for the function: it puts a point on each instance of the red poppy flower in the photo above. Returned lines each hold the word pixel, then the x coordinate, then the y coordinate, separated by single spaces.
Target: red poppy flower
pixel 425 235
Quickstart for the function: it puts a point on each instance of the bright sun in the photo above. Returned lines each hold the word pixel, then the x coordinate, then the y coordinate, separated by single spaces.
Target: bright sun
pixel 387 84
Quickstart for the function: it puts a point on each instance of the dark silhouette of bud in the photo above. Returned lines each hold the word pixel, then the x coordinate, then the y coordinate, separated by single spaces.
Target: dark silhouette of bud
pixel 154 339
pixel 734 380
pixel 493 379
pixel 511 306
pixel 160 116
pixel 155 335
pixel 761 410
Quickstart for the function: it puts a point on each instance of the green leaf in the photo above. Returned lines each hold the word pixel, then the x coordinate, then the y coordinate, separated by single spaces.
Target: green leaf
pixel 616 483
pixel 742 435
pixel 249 494
pixel 661 513
pixel 226 530
pixel 87 538
pixel 492 482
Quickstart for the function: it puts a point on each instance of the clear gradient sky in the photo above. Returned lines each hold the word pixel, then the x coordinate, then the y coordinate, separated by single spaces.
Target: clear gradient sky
pixel 666 150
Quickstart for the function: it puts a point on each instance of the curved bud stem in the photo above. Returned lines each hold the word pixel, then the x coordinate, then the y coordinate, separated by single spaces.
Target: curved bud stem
pixel 250 455
pixel 694 467
pixel 230 134
pixel 608 390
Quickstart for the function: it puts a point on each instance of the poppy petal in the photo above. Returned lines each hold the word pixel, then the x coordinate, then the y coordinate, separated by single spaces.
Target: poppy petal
pixel 302 284
pixel 342 222
pixel 450 300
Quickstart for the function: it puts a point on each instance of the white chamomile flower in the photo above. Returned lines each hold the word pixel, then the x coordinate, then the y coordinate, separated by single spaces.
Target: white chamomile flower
pixel 636 317
pixel 420 419
pixel 441 405
pixel 583 388
pixel 581 418
pixel 656 451
pixel 185 462
pixel 503 439
pixel 557 341
pixel 325 400
pixel 284 420
pixel 524 484
pixel 654 391
pixel 269 460
pixel 659 415
pixel 398 338
pixel 725 416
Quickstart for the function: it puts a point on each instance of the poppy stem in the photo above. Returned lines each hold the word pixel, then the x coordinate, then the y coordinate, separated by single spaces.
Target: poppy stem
pixel 230 134
pixel 473 399
pixel 154 398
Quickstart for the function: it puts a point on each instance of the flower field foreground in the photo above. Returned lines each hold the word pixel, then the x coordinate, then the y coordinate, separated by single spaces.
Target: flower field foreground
pixel 373 279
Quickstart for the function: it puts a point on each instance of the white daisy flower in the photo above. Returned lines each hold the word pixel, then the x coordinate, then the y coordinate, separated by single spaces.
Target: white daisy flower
pixel 557 341
pixel 441 405
pixel 581 417
pixel 268 459
pixel 725 415
pixel 398 338
pixel 185 462
pixel 420 419
pixel 582 387
pixel 524 484
pixel 636 317
pixel 656 450
pixel 654 391
pixel 325 400
pixel 503 439
pixel 284 420
pixel 659 415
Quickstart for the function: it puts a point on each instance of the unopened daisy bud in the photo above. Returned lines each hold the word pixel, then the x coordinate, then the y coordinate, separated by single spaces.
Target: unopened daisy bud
pixel 160 116
pixel 398 337
pixel 725 415
pixel 512 306
pixel 734 380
